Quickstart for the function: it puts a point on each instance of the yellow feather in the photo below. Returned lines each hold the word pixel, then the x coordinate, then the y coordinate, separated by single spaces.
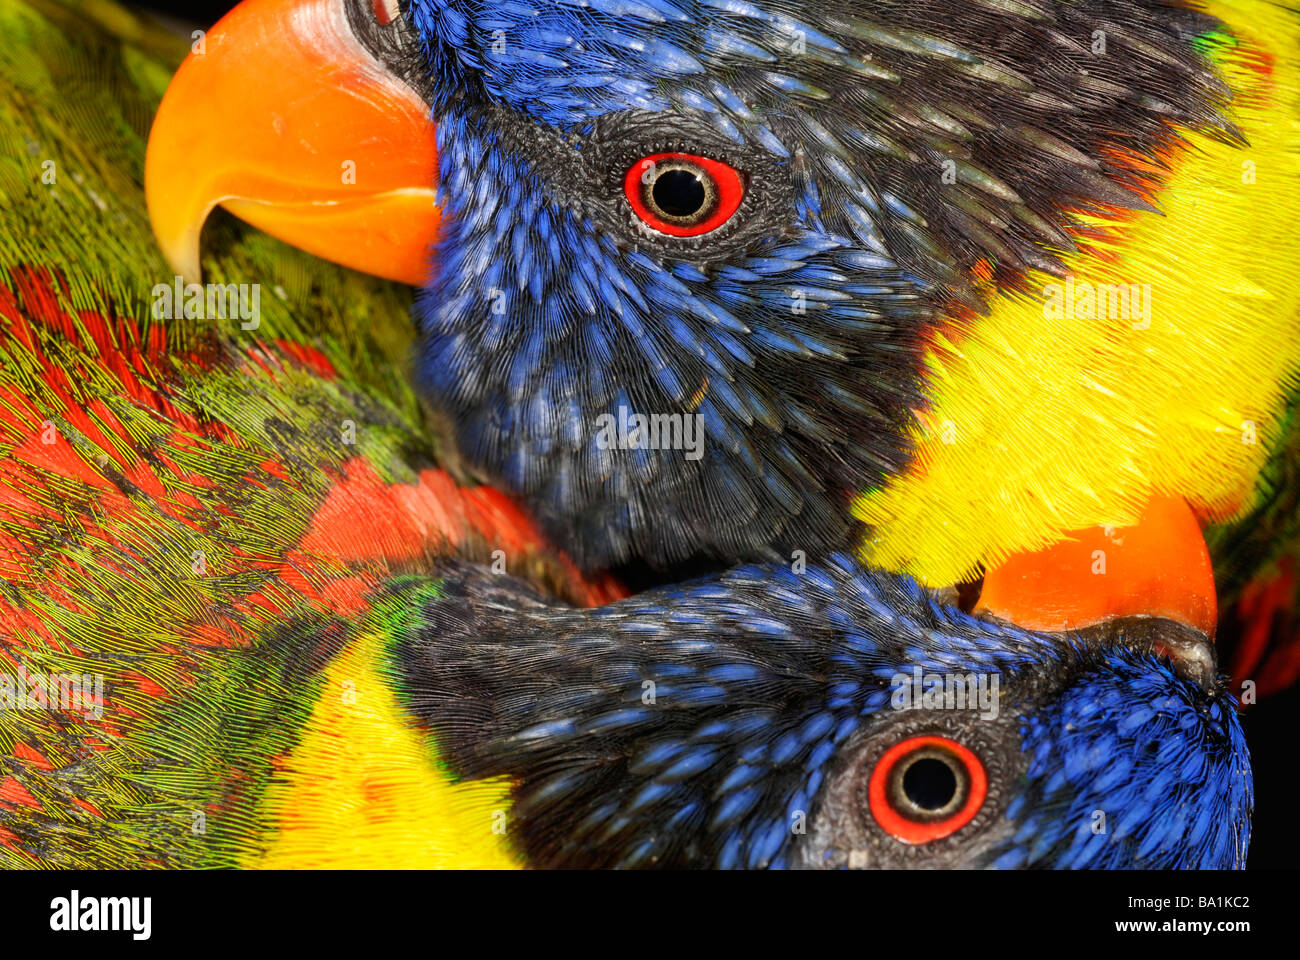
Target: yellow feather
pixel 1038 425
pixel 363 790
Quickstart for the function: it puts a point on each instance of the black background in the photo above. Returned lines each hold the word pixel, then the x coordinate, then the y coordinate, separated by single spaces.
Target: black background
pixel 203 12
pixel 918 914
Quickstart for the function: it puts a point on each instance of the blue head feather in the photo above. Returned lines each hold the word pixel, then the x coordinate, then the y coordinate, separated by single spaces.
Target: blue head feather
pixel 736 721
pixel 793 332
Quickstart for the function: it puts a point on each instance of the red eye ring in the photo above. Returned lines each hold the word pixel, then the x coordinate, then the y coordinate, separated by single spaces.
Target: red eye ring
pixel 718 187
pixel 905 821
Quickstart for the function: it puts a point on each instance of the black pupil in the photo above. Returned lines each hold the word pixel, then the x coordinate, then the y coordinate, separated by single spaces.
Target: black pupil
pixel 679 193
pixel 929 783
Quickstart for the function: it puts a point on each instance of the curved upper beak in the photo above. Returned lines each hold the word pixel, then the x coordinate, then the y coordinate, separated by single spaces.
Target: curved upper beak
pixel 283 117
pixel 1159 567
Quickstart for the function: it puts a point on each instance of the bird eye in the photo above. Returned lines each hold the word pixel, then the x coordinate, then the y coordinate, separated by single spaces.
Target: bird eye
pixel 683 195
pixel 386 11
pixel 925 788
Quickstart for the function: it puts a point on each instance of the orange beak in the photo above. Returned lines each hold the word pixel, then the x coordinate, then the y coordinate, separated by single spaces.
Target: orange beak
pixel 1159 568
pixel 283 117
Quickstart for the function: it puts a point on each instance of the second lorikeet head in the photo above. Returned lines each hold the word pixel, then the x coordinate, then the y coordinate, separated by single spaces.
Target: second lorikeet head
pixel 834 717
pixel 739 221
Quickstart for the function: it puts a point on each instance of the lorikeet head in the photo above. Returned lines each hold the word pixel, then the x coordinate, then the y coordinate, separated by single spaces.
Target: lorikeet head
pixel 829 718
pixel 197 531
pixel 737 220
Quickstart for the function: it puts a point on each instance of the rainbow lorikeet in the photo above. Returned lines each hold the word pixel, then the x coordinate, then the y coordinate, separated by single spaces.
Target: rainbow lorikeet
pixel 960 295
pixel 974 281
pixel 964 296
pixel 194 511
pixel 249 529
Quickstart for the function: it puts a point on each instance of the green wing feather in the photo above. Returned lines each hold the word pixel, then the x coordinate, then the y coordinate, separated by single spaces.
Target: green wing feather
pixel 161 480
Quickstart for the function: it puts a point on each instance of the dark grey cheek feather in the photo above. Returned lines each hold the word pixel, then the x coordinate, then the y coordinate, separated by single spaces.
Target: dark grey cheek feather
pixel 619 140
pixel 1191 654
pixel 395 45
